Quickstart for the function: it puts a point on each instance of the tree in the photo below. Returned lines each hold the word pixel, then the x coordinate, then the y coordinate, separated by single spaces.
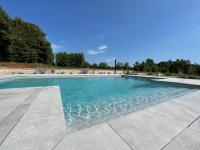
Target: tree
pixel 180 66
pixel 103 65
pixel 64 59
pixel 94 65
pixel 150 66
pixel 61 59
pixel 87 65
pixel 136 66
pixel 164 66
pixel 4 34
pixel 126 66
pixel 23 41
pixel 120 65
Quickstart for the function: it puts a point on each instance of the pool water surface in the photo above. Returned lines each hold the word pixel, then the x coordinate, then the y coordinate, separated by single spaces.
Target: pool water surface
pixel 91 100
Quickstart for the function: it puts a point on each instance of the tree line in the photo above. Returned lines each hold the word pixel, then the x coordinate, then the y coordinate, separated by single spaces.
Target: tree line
pixel 178 66
pixel 77 60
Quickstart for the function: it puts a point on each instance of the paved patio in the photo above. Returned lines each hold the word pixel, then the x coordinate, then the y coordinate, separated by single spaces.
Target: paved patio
pixel 32 118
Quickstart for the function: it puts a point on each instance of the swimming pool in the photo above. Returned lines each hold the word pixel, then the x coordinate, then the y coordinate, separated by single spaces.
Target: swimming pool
pixel 91 100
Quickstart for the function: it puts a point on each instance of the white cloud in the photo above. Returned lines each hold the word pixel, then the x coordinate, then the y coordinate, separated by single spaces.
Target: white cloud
pixel 93 52
pixel 59 47
pixel 101 49
pixel 55 46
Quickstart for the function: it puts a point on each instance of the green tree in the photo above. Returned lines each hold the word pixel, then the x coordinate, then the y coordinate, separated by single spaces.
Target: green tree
pixel 62 59
pixel 136 66
pixel 120 65
pixel 126 66
pixel 150 66
pixel 94 65
pixel 180 66
pixel 4 34
pixel 103 65
pixel 164 66
pixel 28 43
pixel 77 60
pixel 23 41
pixel 87 65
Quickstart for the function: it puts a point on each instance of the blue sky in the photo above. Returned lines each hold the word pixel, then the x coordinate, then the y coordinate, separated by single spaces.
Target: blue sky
pixel 127 30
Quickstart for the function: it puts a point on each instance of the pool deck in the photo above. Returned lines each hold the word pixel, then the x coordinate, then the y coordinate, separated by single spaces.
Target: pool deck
pixel 33 118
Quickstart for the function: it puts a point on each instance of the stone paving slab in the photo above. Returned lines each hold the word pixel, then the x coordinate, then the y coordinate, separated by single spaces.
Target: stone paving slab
pixel 196 125
pixel 13 100
pixel 148 129
pixel 41 134
pixel 9 121
pixel 188 140
pixel 100 137
pixel 40 127
pixel 179 80
pixel 14 91
pixel 48 104
pixel 178 109
pixel 10 99
pixel 192 100
pixel 5 111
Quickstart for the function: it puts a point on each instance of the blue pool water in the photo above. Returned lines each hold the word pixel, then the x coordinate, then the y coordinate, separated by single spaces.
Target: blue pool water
pixel 91 100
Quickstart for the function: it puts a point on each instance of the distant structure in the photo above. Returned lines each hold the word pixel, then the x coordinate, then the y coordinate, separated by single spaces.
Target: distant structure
pixel 115 65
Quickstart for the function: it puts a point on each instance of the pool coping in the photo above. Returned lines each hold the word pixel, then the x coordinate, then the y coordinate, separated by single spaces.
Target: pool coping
pixel 107 135
pixel 55 75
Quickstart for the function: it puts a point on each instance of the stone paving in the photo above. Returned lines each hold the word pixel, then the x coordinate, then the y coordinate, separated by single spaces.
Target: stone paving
pixel 32 118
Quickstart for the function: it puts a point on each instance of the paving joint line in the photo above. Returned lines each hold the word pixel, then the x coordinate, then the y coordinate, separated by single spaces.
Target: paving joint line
pixel 120 136
pixel 180 133
pixel 59 141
